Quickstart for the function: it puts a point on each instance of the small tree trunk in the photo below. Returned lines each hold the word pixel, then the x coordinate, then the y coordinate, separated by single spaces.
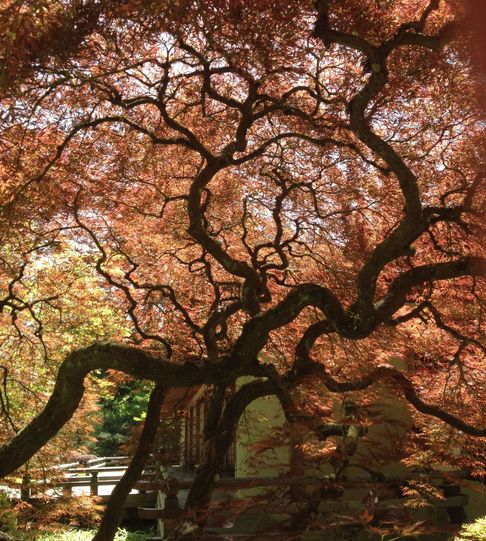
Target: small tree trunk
pixel 213 449
pixel 217 439
pixel 114 510
pixel 203 484
pixel 219 433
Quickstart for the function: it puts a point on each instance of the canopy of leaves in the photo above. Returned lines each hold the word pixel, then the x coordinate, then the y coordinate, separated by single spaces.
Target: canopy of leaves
pixel 287 190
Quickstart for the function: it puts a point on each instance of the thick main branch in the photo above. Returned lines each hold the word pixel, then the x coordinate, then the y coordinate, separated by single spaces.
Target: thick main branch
pixel 69 389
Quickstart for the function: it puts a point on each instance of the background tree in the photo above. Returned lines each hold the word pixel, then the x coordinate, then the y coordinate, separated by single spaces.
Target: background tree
pixel 266 189
pixel 56 304
pixel 122 407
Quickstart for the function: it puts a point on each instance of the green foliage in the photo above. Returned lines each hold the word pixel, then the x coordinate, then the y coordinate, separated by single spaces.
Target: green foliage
pixel 475 531
pixel 120 411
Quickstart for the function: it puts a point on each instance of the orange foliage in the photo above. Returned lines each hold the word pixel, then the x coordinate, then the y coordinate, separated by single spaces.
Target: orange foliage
pixel 286 183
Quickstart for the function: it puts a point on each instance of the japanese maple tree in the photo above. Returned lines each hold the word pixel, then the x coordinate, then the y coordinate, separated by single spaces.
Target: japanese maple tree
pixel 285 190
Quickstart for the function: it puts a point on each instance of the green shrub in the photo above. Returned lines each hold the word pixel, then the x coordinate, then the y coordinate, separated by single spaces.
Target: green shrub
pixel 8 515
pixel 475 531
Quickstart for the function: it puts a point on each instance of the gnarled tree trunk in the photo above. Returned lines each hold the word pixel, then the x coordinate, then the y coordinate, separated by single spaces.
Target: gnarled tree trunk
pixel 219 434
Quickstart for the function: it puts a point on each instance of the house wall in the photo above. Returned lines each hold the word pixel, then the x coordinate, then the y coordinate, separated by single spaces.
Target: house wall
pixel 264 422
pixel 257 454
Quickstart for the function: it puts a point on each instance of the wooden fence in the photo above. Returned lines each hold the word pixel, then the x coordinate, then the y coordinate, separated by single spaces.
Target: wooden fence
pixel 77 474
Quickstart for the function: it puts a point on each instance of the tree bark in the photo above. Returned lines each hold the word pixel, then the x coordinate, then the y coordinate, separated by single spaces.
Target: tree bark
pixel 114 510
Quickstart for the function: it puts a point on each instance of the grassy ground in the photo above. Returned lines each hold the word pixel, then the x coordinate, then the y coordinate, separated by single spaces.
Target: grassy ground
pixel 87 535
